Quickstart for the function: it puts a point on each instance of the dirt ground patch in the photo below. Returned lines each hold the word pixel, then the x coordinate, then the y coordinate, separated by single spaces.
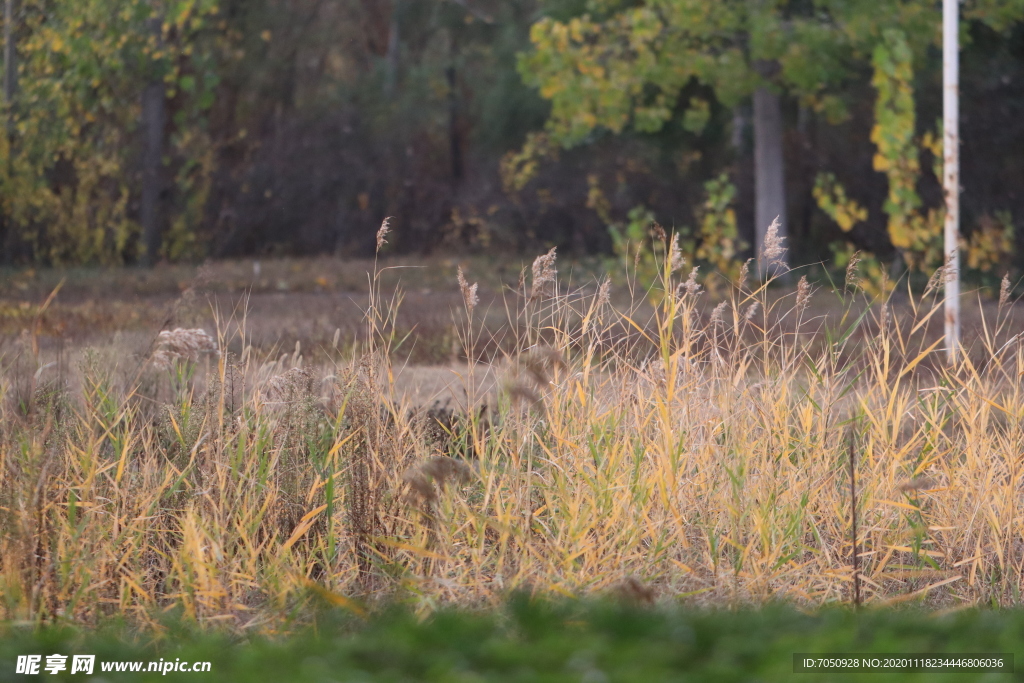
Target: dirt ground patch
pixel 318 303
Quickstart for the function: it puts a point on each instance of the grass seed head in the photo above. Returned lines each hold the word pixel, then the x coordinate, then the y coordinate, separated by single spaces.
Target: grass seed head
pixel 691 286
pixel 745 271
pixel 604 293
pixel 544 275
pixel 658 233
pixel 803 294
pixel 290 386
pixel 530 375
pixel 382 232
pixel 773 250
pixel 675 254
pixel 718 314
pixel 945 273
pixel 852 276
pixel 933 282
pixel 440 470
pixel 654 371
pixel 183 344
pixel 1004 291
pixel 539 361
pixel 469 295
pixel 521 392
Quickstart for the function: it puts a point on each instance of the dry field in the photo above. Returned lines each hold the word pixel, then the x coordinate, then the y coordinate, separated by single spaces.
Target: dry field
pixel 317 432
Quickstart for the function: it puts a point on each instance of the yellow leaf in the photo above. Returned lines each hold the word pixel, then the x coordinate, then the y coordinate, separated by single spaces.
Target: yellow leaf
pixel 302 527
pixel 336 599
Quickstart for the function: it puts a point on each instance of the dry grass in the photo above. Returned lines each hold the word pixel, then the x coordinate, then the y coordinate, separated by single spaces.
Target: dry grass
pixel 660 454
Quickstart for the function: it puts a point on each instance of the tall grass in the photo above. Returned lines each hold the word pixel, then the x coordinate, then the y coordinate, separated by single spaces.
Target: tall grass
pixel 691 454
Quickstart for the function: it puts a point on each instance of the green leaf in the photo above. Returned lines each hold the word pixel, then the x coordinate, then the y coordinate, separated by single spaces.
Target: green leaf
pixel 205 100
pixel 697 116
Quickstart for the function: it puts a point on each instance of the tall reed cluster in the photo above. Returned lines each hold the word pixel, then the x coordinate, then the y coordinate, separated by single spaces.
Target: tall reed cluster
pixel 699 452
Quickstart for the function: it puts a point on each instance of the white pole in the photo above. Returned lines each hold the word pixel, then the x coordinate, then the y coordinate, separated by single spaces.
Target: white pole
pixel 951 170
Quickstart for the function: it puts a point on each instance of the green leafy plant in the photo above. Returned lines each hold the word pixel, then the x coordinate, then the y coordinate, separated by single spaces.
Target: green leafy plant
pixel 69 181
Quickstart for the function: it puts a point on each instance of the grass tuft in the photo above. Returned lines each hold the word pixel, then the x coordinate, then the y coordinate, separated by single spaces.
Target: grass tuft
pixel 696 447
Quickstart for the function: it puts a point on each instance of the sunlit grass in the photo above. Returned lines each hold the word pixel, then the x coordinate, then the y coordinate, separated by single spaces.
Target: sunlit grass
pixel 702 455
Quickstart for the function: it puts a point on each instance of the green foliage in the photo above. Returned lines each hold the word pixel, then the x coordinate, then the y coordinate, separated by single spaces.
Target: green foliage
pixel 999 14
pixel 697 115
pixel 249 84
pixel 991 243
pixel 719 242
pixel 867 271
pixel 831 198
pixel 518 167
pixel 630 68
pixel 917 235
pixel 641 244
pixel 69 176
pixel 527 639
pixel 914 231
pixel 614 64
pixel 618 66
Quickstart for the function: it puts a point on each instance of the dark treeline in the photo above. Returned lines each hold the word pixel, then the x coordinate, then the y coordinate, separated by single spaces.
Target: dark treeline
pixel 144 130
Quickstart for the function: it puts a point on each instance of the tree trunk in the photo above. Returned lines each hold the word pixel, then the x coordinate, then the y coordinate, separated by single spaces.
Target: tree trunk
pixel 10 58
pixel 739 129
pixel 769 166
pixel 454 137
pixel 7 231
pixel 153 123
pixel 394 37
pixel 951 171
